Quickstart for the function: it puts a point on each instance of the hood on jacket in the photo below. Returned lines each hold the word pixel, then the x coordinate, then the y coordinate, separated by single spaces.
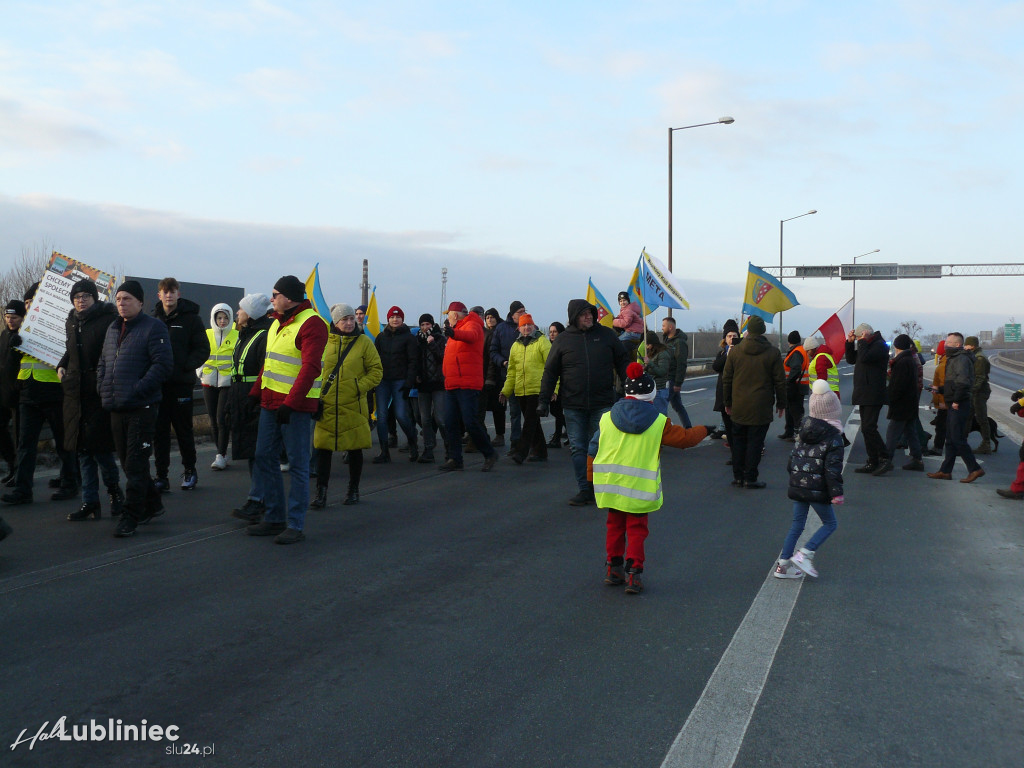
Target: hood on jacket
pixel 185 307
pixel 633 416
pixel 520 339
pixel 814 431
pixel 823 347
pixel 754 345
pixel 578 306
pixel 220 333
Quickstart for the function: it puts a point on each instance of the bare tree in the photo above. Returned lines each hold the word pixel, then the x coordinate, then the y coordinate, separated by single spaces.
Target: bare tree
pixel 27 269
pixel 910 327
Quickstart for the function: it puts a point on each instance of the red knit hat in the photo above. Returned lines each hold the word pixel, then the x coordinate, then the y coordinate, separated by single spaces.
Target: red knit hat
pixel 396 311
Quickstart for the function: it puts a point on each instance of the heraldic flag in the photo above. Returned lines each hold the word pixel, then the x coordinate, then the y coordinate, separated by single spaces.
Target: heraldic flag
pixel 604 310
pixel 765 296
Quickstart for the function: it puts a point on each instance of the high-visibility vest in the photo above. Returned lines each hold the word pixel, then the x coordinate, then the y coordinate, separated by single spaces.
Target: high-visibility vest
pixel 283 361
pixel 237 370
pixel 627 468
pixel 804 357
pixel 220 357
pixel 833 372
pixel 33 368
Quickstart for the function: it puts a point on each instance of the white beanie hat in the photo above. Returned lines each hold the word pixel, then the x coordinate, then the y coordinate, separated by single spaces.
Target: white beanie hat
pixel 823 402
pixel 255 305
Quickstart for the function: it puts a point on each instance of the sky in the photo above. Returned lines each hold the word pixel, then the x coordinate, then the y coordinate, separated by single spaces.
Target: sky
pixel 522 146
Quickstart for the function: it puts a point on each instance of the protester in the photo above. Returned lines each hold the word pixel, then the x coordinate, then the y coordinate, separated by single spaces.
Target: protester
pixel 823 363
pixel 399 355
pixel 630 320
pixel 488 400
pixel 957 391
pixel 525 370
pixel 87 430
pixel 556 405
pixel 191 349
pixel 136 361
pixel 463 380
pixel 980 393
pixel 430 386
pixel 904 397
pixel 624 465
pixel 582 364
pixel 815 481
pixel 797 365
pixel 730 338
pixel 677 341
pixel 216 378
pixel 504 336
pixel 10 360
pixel 352 367
pixel 752 379
pixel 659 362
pixel 288 389
pixel 253 322
pixel 868 353
pixel 938 401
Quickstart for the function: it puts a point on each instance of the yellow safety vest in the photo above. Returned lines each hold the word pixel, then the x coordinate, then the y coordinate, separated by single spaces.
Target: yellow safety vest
pixel 627 468
pixel 220 357
pixel 283 361
pixel 33 368
pixel 236 370
pixel 833 372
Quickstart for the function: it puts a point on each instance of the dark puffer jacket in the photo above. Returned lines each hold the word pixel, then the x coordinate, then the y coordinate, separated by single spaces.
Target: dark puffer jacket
pixel 959 375
pixel 504 336
pixel 430 377
pixel 136 361
pixel 189 342
pixel 905 380
pixel 870 360
pixel 816 464
pixel 586 363
pixel 399 354
pixel 753 380
pixel 86 423
pixel 243 414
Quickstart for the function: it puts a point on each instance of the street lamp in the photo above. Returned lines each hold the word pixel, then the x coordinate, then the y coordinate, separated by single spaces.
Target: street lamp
pixel 780 262
pixel 719 121
pixel 853 318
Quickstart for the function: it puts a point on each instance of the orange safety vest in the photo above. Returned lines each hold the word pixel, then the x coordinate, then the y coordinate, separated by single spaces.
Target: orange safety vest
pixel 804 378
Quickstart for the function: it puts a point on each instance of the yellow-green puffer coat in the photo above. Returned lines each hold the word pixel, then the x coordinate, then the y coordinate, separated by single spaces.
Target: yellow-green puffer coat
pixel 526 365
pixel 345 425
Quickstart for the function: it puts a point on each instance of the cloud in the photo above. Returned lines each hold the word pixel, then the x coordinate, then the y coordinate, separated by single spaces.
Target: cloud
pixel 45 129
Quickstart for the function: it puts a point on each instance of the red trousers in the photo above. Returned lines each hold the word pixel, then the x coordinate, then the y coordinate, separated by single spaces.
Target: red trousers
pixel 1018 483
pixel 626 535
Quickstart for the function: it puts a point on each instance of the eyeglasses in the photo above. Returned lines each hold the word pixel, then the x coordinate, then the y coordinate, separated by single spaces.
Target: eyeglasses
pixel 81 296
pixel 274 295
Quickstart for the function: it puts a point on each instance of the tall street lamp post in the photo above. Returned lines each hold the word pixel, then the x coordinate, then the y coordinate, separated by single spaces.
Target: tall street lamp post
pixel 719 121
pixel 783 221
pixel 854 317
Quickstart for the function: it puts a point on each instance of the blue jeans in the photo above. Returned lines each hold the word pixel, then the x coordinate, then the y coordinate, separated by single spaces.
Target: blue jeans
pixel 581 425
pixel 293 437
pixel 515 415
pixel 91 464
pixel 676 400
pixel 387 391
pixel 459 414
pixel 661 401
pixel 431 405
pixel 825 512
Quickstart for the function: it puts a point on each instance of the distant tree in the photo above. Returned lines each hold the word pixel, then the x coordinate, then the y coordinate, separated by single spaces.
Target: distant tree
pixel 27 269
pixel 910 327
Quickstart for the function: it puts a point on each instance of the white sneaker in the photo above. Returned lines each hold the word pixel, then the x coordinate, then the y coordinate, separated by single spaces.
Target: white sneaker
pixel 786 570
pixel 804 560
pixel 219 463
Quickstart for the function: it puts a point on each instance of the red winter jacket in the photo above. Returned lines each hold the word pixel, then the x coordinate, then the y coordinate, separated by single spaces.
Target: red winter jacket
pixel 464 355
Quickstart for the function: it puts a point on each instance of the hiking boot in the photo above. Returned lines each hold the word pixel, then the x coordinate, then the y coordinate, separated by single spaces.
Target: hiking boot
pixel 189 478
pixel 265 529
pixel 125 527
pixel 352 497
pixel 582 499
pixel 914 465
pixel 162 484
pixel 634 581
pixel 321 498
pixel 884 468
pixel 984 449
pixel 785 569
pixel 289 536
pixel 219 463
pixel 84 512
pixel 498 441
pixel 116 498
pixel 489 462
pixel 153 509
pixel 251 511
pixel 63 493
pixel 804 560
pixel 427 457
pixel 384 457
pixel 16 497
pixel 1010 494
pixel 615 575
pixel 867 469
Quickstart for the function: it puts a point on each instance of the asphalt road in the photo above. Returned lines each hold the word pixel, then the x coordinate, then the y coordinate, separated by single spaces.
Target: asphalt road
pixel 463 621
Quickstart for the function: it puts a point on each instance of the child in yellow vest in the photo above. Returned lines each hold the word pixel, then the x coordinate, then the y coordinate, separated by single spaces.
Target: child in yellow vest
pixel 624 464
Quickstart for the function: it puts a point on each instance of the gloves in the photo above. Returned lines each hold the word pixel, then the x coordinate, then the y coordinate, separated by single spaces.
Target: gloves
pixel 838 500
pixel 542 409
pixel 448 330
pixel 284 414
pixel 15 340
pixel 1015 408
pixel 1017 395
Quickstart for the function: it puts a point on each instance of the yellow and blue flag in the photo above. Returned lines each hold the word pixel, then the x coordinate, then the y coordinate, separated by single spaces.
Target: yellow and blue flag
pixel 653 286
pixel 765 296
pixel 371 325
pixel 316 296
pixel 604 310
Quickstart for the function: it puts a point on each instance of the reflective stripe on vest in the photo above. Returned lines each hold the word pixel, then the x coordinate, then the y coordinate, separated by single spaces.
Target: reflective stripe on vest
pixel 33 368
pixel 804 374
pixel 833 372
pixel 283 362
pixel 236 370
pixel 627 468
pixel 220 357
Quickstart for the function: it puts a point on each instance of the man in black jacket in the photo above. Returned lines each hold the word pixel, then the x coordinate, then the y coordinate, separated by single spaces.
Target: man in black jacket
pixel 430 385
pixel 14 314
pixel 583 362
pixel 191 348
pixel 905 381
pixel 399 356
pixel 957 392
pixel 135 362
pixel 868 353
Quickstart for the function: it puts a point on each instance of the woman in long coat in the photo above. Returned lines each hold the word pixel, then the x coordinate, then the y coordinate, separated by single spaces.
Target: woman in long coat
pixel 345 425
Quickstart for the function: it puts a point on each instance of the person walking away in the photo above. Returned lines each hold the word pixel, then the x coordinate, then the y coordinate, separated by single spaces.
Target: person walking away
pixel 815 481
pixel 753 379
pixel 957 391
pixel 399 354
pixel 136 361
pixel 253 322
pixel 525 371
pixel 904 396
pixel 191 349
pixel 868 353
pixel 797 365
pixel 980 393
pixel 216 379
pixel 677 341
pixel 351 368
pixel 624 464
pixel 430 387
pixel 87 429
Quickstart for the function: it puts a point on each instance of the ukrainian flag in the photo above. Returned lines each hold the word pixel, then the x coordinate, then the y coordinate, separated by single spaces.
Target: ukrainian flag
pixel 316 296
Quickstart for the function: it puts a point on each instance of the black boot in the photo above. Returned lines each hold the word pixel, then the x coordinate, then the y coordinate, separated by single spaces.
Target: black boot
pixel 352 497
pixel 12 470
pixel 384 457
pixel 116 500
pixel 87 510
pixel 321 498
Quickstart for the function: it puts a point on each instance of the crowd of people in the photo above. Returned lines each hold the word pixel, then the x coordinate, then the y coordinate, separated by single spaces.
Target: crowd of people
pixel 284 391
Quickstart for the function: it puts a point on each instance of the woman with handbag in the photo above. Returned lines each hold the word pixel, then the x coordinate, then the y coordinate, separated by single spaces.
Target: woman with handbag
pixel 343 420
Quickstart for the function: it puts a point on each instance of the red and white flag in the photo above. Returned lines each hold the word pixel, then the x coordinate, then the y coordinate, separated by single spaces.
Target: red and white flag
pixel 834 330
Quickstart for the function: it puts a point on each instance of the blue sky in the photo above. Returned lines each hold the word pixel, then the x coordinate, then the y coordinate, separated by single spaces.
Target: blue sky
pixel 522 146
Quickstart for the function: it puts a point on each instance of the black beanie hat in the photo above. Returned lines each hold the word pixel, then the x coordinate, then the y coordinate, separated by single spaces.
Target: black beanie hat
pixel 639 384
pixel 623 295
pixel 291 287
pixel 794 337
pixel 426 318
pixel 902 342
pixel 492 312
pixel 84 286
pixel 730 325
pixel 133 287
pixel 514 307
pixel 15 307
